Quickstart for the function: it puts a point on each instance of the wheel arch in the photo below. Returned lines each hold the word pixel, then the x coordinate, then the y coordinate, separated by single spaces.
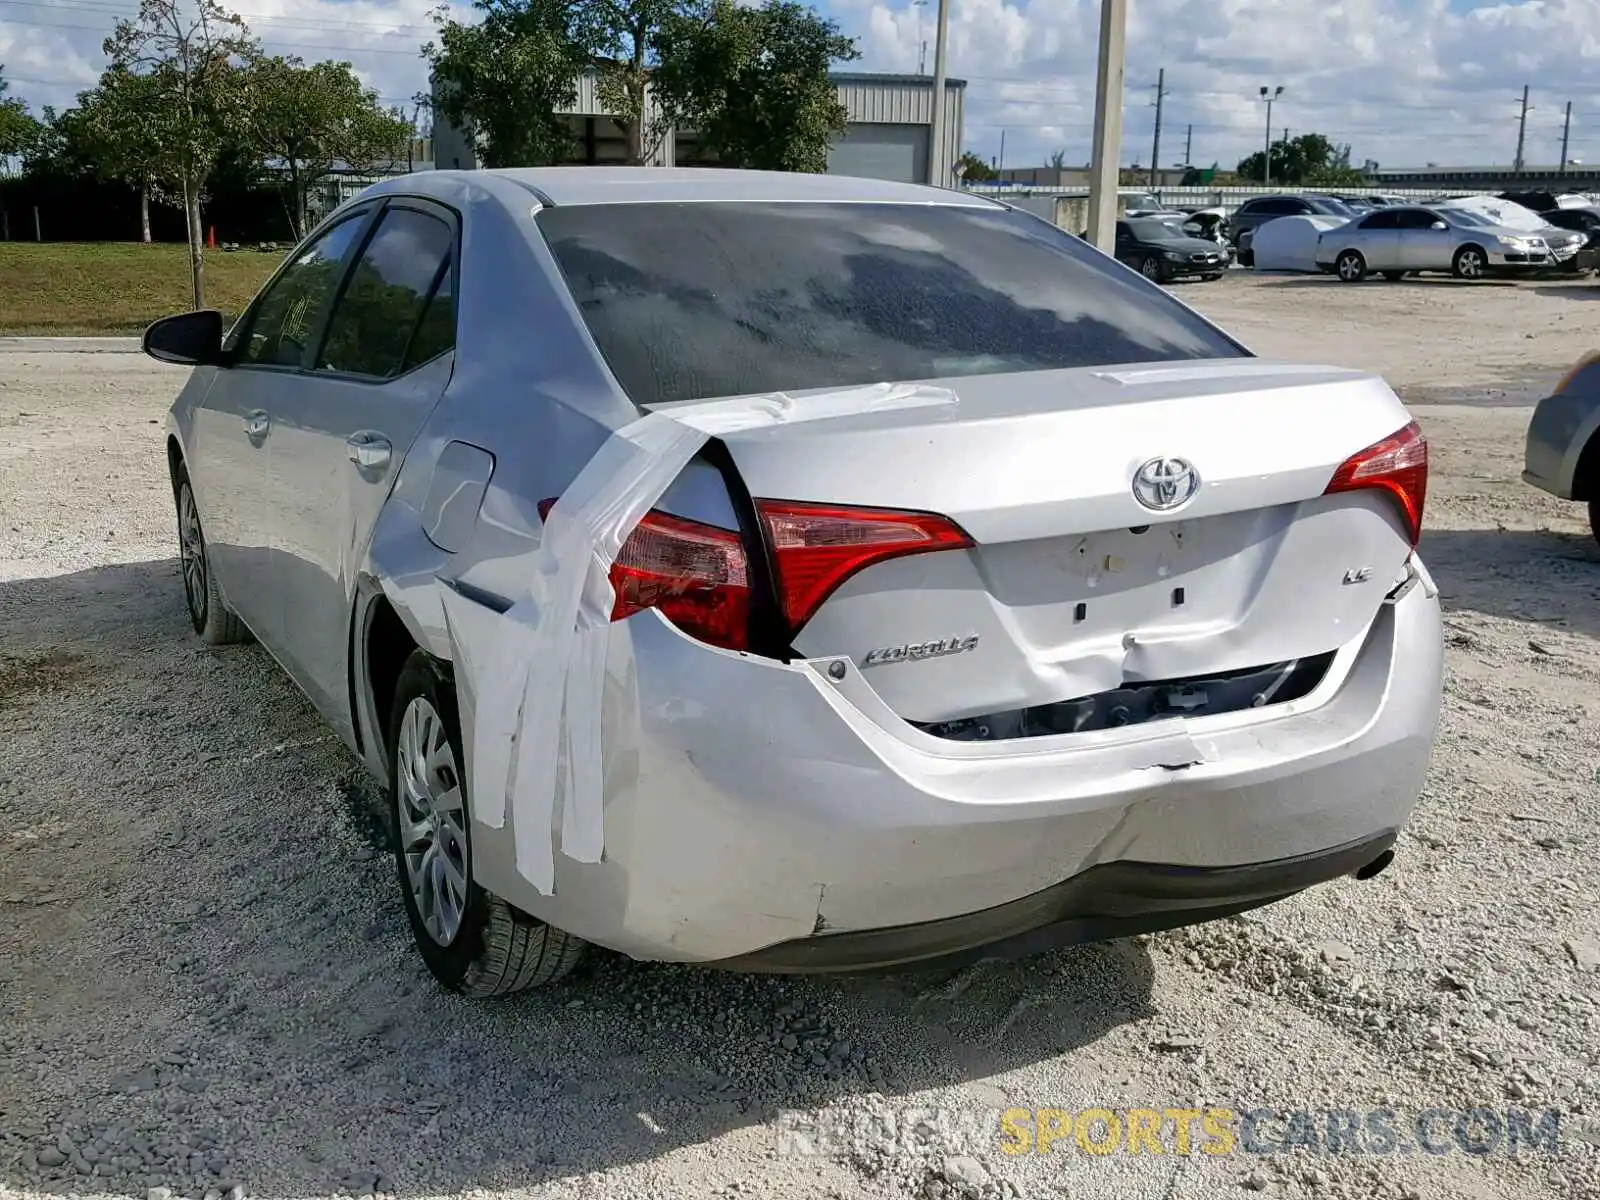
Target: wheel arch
pixel 384 632
pixel 1586 475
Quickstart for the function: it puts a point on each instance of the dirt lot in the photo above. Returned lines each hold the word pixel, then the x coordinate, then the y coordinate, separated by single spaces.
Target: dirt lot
pixel 206 981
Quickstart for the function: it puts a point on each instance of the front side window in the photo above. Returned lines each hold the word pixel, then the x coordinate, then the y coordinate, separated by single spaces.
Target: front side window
pixel 286 315
pixel 700 300
pixel 1416 218
pixel 389 288
pixel 1381 220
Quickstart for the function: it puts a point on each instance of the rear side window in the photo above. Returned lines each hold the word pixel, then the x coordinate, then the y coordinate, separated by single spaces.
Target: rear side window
pixel 699 300
pixel 383 302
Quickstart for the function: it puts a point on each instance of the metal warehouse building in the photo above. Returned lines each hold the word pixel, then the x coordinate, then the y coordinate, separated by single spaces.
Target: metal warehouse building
pixel 889 135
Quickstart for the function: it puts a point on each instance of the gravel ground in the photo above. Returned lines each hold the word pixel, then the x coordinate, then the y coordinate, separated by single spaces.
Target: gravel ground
pixel 206 980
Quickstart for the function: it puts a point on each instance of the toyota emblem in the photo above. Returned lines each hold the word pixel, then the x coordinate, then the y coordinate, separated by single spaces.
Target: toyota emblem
pixel 1163 484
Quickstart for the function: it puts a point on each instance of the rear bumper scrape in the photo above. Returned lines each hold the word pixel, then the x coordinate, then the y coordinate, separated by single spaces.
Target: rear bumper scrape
pixel 1112 900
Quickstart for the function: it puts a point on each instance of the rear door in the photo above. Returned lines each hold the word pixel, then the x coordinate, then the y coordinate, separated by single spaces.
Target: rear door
pixel 1422 247
pixel 1377 237
pixel 381 365
pixel 234 428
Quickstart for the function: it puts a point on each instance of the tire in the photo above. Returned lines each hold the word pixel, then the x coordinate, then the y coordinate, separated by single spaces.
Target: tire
pixel 472 942
pixel 1394 276
pixel 210 615
pixel 1211 278
pixel 1153 269
pixel 1594 518
pixel 1247 257
pixel 1470 262
pixel 1350 266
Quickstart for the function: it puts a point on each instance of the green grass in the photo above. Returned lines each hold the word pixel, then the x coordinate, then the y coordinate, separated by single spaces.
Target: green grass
pixel 76 288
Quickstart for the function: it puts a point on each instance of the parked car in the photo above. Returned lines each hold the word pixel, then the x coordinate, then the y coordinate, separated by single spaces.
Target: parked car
pixel 1585 221
pixel 1162 251
pixel 1127 630
pixel 1561 454
pixel 1258 210
pixel 1395 242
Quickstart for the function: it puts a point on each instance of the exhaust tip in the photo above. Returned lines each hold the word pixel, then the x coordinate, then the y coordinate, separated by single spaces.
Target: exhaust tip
pixel 1376 866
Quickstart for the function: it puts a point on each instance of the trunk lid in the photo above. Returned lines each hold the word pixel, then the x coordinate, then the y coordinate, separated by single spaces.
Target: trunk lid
pixel 1075 587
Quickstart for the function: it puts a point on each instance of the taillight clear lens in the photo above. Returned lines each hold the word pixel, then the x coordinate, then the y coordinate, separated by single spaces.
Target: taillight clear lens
pixel 695 575
pixel 816 547
pixel 1397 465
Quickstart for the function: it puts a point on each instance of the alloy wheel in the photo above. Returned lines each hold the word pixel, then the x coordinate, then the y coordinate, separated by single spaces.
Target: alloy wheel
pixel 1350 268
pixel 192 552
pixel 432 813
pixel 1470 264
pixel 1150 269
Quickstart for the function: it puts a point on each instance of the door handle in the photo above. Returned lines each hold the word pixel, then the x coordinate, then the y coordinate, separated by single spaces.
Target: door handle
pixel 256 425
pixel 369 451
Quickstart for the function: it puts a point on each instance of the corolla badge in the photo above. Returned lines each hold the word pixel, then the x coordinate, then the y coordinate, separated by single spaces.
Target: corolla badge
pixel 916 651
pixel 1163 484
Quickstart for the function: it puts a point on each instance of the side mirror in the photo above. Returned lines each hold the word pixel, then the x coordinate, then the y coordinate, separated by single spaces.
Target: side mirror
pixel 1439 225
pixel 191 339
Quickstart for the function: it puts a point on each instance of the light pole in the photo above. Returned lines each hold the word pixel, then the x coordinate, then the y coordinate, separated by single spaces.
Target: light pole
pixel 1266 152
pixel 1107 151
pixel 938 165
pixel 922 41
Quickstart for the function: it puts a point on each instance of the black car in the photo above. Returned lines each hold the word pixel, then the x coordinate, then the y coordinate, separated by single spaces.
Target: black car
pixel 1162 251
pixel 1258 210
pixel 1580 220
pixel 1538 200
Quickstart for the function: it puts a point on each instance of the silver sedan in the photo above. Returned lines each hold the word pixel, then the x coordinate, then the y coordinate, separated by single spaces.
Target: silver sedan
pixel 1395 242
pixel 1052 613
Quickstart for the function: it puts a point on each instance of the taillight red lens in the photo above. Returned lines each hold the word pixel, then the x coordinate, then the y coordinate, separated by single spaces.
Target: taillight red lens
pixel 696 575
pixel 816 547
pixel 1397 465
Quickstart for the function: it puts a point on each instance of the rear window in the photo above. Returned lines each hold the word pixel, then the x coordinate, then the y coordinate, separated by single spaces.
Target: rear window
pixel 700 300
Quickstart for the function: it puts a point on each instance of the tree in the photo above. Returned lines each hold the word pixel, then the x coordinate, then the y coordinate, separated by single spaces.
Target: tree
pixel 18 130
pixel 506 78
pixel 753 82
pixel 1058 160
pixel 196 60
pixel 626 34
pixel 312 119
pixel 120 130
pixel 974 170
pixel 1309 158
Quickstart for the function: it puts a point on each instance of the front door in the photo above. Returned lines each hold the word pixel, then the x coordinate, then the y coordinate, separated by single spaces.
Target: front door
pixel 383 363
pixel 236 425
pixel 1422 247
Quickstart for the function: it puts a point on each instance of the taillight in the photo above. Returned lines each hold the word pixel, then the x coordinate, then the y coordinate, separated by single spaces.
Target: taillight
pixel 1397 465
pixel 816 547
pixel 696 575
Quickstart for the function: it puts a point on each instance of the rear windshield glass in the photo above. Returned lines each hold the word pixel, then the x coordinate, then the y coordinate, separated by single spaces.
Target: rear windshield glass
pixel 699 300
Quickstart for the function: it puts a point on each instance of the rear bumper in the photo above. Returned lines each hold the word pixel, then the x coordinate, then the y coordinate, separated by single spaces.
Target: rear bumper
pixel 752 804
pixel 1112 900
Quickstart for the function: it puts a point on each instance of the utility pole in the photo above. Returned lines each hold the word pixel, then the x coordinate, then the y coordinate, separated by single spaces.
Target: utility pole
pixel 938 168
pixel 1001 169
pixel 1188 147
pixel 1522 130
pixel 1155 150
pixel 1107 153
pixel 1269 95
pixel 1566 130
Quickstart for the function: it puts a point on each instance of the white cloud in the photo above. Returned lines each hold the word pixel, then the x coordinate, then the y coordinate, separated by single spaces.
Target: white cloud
pixel 1403 81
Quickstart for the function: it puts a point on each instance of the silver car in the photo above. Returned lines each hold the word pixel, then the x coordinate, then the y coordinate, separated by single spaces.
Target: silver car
pixel 1396 242
pixel 1561 454
pixel 1130 634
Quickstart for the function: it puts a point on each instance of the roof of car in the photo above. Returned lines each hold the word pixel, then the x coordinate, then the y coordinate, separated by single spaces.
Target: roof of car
pixel 559 186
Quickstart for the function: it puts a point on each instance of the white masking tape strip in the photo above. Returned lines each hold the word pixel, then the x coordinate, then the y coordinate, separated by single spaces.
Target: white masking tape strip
pixel 538 670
